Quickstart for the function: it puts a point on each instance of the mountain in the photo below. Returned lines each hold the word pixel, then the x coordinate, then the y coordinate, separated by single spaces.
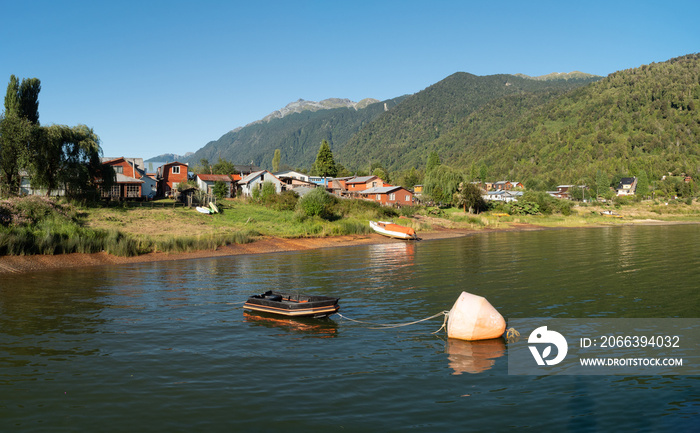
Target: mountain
pixel 401 138
pixel 169 157
pixel 326 104
pixel 297 130
pixel 641 119
pixel 576 75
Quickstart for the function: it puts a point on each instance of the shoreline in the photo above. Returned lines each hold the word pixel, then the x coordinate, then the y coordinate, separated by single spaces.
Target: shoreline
pixel 264 245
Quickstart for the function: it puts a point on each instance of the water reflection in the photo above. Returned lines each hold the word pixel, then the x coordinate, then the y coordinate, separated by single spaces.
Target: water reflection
pixel 319 328
pixel 474 356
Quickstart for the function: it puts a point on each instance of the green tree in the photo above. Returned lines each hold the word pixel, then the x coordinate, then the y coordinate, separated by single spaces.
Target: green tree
pixel 483 172
pixel 220 190
pixel 223 166
pixel 325 165
pixel 15 133
pixel 317 203
pixel 205 167
pixel 382 174
pixel 433 161
pixel 81 170
pixel 19 130
pixel 276 161
pixel 642 185
pixel 468 196
pixel 441 183
pixel 602 183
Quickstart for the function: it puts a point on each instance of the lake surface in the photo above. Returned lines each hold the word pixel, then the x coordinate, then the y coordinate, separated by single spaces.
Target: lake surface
pixel 166 346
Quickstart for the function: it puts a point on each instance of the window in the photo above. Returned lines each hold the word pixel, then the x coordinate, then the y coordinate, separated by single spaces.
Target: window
pixel 132 191
pixel 118 169
pixel 408 198
pixel 176 169
pixel 392 196
pixel 379 197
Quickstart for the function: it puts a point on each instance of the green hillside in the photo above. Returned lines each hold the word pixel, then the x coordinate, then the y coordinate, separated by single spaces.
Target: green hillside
pixel 402 137
pixel 297 135
pixel 642 119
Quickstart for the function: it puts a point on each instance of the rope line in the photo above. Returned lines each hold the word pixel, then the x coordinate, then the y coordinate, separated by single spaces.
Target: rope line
pixel 393 325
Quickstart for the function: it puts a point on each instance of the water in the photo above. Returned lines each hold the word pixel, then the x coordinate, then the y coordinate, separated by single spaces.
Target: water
pixel 164 346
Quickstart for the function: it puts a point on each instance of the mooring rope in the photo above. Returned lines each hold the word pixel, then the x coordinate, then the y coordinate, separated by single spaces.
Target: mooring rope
pixel 394 325
pixel 512 335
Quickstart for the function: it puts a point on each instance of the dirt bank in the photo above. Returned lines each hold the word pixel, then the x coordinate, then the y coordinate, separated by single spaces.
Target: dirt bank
pixel 22 264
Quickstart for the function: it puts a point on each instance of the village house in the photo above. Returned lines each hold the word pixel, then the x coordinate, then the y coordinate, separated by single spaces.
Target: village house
pixel 362 183
pixel 169 176
pixel 388 195
pixel 249 183
pixel 562 191
pixel 246 169
pixel 291 174
pixel 502 195
pixel 506 185
pixel 627 186
pixel 338 186
pixel 206 183
pixel 128 183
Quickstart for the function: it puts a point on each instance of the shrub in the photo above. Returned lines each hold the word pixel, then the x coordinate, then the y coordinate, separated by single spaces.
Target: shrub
pixel 285 201
pixel 317 203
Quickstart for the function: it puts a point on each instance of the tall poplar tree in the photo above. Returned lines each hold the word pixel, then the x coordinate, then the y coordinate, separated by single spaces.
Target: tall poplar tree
pixel 276 161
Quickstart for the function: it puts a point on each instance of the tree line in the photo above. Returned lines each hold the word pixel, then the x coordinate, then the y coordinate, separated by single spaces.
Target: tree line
pixel 54 156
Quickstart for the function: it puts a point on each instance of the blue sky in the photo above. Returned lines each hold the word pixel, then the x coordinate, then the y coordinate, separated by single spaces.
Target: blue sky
pixel 154 77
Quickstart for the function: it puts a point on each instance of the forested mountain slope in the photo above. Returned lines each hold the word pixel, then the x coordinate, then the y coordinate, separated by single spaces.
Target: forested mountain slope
pixel 641 119
pixel 401 138
pixel 297 135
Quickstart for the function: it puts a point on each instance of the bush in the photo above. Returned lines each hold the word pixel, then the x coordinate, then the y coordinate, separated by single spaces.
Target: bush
pixel 281 202
pixel 317 203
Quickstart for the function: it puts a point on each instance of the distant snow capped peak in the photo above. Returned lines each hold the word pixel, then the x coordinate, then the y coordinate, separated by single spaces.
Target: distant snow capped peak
pixel 327 104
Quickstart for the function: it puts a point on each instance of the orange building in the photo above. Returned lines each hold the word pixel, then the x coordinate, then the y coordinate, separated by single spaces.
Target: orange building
pixel 169 176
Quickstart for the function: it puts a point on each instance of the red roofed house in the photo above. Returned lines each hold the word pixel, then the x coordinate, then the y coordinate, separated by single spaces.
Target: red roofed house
pixel 128 182
pixel 358 184
pixel 389 195
pixel 169 176
pixel 206 183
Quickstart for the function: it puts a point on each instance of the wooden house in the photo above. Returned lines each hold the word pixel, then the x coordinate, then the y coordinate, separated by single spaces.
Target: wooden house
pixel 389 195
pixel 169 176
pixel 128 183
pixel 362 183
pixel 256 180
pixel 206 183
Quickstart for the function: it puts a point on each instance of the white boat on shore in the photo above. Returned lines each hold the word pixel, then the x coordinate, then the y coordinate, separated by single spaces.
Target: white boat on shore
pixel 393 230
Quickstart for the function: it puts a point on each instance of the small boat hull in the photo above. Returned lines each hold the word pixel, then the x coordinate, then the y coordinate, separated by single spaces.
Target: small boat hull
pixel 204 210
pixel 393 230
pixel 292 305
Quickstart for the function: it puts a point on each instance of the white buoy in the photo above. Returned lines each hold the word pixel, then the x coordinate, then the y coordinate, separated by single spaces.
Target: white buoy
pixel 472 318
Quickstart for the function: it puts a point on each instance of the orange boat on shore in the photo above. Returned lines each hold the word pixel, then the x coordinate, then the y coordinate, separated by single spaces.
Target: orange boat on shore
pixel 393 230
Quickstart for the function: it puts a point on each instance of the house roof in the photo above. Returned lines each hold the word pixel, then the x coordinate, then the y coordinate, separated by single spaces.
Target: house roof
pixel 215 177
pixel 362 179
pixel 381 190
pixel 126 179
pixel 252 176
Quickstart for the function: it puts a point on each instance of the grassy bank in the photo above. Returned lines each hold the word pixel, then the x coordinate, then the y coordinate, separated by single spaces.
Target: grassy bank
pixel 36 225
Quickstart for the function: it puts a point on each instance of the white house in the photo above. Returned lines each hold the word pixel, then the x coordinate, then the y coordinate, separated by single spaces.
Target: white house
pixel 256 180
pixel 502 195
pixel 291 174
pixel 206 182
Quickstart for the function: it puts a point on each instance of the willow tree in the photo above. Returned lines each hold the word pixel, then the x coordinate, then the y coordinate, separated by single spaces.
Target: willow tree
pixel 441 183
